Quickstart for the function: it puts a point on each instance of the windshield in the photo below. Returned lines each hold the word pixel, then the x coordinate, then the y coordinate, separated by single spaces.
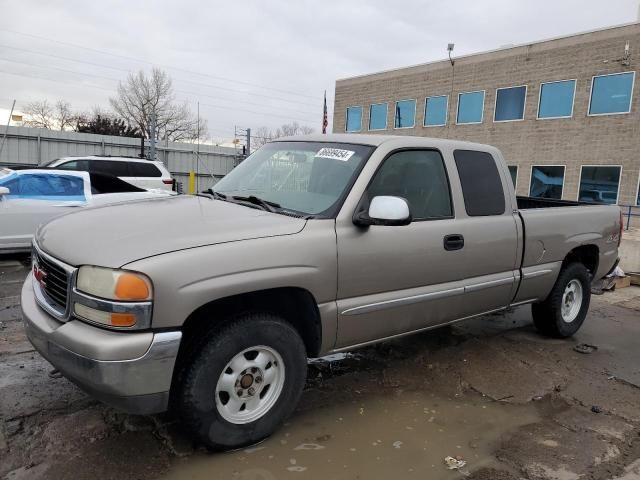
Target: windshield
pixel 40 186
pixel 306 177
pixel 5 172
pixel 50 162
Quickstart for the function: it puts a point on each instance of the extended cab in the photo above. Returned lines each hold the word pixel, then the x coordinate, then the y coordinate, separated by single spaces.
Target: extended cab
pixel 312 245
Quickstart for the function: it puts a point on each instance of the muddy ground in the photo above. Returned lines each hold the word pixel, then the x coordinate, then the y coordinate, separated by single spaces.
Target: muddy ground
pixel 490 392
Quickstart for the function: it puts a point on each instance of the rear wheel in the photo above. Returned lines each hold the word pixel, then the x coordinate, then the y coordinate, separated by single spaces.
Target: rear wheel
pixel 244 382
pixel 563 312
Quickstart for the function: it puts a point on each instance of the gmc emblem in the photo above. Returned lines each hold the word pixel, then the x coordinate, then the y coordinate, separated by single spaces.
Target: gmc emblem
pixel 40 275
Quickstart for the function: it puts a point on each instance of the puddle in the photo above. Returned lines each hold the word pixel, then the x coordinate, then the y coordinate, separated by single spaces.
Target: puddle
pixel 402 434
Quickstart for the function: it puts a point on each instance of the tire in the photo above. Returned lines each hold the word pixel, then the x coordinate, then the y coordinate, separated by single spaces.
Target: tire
pixel 549 316
pixel 256 351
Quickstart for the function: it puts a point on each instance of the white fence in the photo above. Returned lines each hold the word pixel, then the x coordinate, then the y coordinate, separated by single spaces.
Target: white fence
pixel 35 146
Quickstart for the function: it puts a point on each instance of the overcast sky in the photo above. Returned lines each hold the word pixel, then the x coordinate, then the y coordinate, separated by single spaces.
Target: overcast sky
pixel 257 63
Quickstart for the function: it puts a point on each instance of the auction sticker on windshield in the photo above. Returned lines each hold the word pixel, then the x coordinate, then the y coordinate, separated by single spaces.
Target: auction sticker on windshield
pixel 335 154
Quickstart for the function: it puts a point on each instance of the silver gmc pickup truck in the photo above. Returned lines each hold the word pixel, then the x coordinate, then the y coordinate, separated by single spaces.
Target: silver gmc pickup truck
pixel 209 305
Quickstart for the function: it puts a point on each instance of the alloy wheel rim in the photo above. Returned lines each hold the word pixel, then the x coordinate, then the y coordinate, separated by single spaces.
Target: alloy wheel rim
pixel 571 301
pixel 250 384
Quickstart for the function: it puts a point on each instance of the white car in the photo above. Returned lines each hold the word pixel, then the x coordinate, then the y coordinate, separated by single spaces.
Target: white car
pixel 29 198
pixel 136 171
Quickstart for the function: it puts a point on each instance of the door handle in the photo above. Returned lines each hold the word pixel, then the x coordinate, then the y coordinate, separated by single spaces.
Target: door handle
pixel 453 242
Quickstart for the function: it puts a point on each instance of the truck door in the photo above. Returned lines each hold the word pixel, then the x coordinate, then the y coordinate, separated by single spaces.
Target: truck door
pixel 395 279
pixel 488 228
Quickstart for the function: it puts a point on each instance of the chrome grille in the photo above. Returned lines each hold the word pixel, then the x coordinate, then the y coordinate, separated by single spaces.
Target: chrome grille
pixel 52 280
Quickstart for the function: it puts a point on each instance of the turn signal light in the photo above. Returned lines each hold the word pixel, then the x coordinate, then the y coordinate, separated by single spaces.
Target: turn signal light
pixel 130 286
pixel 105 318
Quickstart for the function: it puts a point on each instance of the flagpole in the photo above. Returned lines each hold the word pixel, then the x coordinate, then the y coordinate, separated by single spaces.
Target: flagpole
pixel 325 119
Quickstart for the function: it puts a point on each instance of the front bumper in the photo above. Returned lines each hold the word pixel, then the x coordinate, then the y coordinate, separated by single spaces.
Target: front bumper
pixel 129 371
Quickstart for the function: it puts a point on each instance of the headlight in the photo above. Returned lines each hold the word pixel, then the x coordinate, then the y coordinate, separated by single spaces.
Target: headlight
pixel 113 298
pixel 119 285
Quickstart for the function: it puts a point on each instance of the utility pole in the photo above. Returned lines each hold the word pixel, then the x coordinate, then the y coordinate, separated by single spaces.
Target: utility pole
pixel 6 130
pixel 198 151
pixel 152 137
pixel 247 134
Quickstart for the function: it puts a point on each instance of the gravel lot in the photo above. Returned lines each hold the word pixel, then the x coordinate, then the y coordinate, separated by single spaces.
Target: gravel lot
pixel 490 392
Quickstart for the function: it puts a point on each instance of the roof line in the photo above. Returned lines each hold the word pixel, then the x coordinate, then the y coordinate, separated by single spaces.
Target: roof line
pixel 499 49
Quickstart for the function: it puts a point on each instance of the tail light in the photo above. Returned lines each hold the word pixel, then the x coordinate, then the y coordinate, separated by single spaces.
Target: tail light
pixel 168 182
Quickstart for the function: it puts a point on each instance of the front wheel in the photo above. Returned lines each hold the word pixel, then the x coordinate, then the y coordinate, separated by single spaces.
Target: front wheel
pixel 244 383
pixel 564 310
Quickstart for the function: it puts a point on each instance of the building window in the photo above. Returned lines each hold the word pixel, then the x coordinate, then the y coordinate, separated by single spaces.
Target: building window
pixel 510 104
pixel 611 94
pixel 470 107
pixel 354 119
pixel 599 184
pixel 547 181
pixel 435 111
pixel 556 99
pixel 378 116
pixel 405 114
pixel 513 170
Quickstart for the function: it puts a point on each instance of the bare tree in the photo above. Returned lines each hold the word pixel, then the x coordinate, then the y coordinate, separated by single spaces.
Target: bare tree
pixel 64 117
pixel 294 128
pixel 39 114
pixel 262 135
pixel 141 96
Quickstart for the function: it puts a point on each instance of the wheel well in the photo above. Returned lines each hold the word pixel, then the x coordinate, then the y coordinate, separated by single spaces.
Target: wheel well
pixel 588 255
pixel 295 305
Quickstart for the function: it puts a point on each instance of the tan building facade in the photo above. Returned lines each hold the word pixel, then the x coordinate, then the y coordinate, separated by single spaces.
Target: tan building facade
pixel 560 110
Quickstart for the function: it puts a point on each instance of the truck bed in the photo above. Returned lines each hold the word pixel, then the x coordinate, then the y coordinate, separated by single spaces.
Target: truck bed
pixel 525 203
pixel 551 232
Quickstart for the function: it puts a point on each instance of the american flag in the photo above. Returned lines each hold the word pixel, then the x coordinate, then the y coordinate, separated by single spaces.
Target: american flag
pixel 325 119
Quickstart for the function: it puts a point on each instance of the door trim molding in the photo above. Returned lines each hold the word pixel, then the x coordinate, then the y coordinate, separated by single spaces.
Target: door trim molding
pixel 403 334
pixel 397 302
pixel 474 287
pixel 450 292
pixel 536 273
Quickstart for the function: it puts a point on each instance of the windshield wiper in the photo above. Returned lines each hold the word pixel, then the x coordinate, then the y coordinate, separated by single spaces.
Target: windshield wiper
pixel 265 204
pixel 212 195
pixel 217 195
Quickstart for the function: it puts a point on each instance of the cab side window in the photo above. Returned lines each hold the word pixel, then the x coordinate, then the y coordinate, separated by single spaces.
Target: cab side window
pixel 418 176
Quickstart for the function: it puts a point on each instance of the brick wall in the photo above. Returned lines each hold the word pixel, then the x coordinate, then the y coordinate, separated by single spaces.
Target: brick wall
pixel 576 141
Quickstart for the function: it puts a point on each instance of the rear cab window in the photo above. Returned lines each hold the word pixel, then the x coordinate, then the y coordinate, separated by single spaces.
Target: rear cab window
pixel 481 183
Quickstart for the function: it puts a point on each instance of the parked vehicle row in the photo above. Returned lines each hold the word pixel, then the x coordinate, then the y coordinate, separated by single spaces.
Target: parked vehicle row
pixel 31 197
pixel 312 245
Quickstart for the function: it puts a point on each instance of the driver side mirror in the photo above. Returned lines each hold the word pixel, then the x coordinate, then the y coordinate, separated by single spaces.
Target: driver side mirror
pixel 385 210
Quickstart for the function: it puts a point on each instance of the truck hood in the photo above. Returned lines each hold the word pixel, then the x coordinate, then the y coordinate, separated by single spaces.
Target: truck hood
pixel 115 235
